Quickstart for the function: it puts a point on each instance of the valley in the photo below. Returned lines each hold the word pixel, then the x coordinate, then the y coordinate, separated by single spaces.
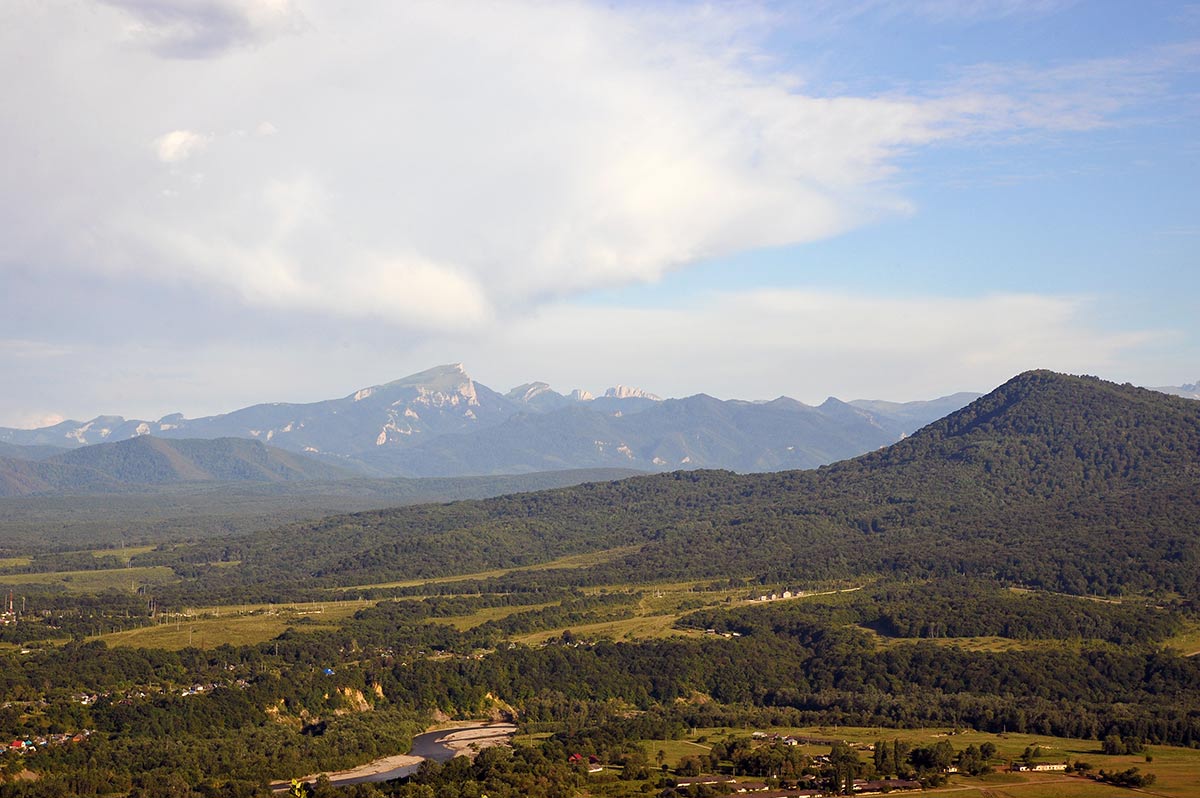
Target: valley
pixel 1020 573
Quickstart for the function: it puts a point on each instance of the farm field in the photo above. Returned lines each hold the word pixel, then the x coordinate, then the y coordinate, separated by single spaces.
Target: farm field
pixel 125 554
pixel 1177 769
pixel 247 624
pixel 86 582
pixel 573 561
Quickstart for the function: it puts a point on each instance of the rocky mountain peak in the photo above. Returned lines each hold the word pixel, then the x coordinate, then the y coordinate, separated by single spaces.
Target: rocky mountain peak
pixel 528 392
pixel 629 392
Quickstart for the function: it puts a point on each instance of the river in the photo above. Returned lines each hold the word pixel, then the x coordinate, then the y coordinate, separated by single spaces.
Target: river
pixel 440 745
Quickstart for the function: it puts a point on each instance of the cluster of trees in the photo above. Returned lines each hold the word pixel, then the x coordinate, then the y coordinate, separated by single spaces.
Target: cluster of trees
pixel 1131 777
pixel 958 607
pixel 1114 744
pixel 962 607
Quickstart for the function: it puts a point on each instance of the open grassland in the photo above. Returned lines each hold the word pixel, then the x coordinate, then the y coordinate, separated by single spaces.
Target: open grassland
pixel 1042 785
pixel 1177 769
pixel 82 582
pixel 642 627
pixel 15 562
pixel 663 604
pixel 124 554
pixel 464 622
pixel 1186 642
pixel 243 625
pixel 574 561
pixel 972 643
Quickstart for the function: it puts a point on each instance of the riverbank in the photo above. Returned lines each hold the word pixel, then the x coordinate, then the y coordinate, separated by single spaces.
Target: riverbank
pixel 377 770
pixel 439 745
pixel 476 738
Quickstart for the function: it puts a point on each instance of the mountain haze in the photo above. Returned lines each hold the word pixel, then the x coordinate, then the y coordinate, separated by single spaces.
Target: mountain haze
pixel 1190 391
pixel 149 461
pixel 441 422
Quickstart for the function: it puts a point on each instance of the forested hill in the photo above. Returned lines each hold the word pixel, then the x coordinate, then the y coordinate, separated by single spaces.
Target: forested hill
pixel 1047 432
pixel 1067 483
pixel 149 461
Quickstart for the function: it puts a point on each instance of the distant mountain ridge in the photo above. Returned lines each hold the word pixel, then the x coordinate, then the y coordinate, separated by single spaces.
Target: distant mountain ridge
pixel 441 422
pixel 1191 391
pixel 150 461
pixel 1064 483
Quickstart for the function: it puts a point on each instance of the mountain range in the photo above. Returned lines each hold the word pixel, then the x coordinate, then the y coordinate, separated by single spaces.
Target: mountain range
pixel 441 422
pixel 1191 391
pixel 1065 483
pixel 150 461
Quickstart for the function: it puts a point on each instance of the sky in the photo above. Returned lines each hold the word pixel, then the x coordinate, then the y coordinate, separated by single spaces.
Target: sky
pixel 207 204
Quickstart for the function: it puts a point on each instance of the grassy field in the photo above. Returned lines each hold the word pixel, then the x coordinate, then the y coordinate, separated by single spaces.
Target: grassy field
pixel 1177 769
pixel 574 561
pixel 1186 642
pixel 124 554
pixel 243 625
pixel 14 562
pixel 81 582
pixel 661 606
pixel 464 622
pixel 972 643
pixel 642 627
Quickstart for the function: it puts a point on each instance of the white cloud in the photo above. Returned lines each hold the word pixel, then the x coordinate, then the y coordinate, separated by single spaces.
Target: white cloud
pixel 203 28
pixel 179 145
pixel 807 344
pixel 810 344
pixel 27 349
pixel 517 152
pixel 457 172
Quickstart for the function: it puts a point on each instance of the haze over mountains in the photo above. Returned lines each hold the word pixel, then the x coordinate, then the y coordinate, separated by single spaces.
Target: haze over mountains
pixel 1190 391
pixel 150 461
pixel 440 422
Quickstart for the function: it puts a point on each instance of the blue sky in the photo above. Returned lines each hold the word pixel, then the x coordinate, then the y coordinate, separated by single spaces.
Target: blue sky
pixel 220 202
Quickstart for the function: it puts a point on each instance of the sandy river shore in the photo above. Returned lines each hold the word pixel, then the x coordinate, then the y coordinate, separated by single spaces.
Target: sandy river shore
pixel 477 737
pixel 460 740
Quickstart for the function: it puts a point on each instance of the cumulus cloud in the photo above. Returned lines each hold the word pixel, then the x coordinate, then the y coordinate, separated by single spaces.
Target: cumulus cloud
pixel 179 145
pixel 442 165
pixel 516 152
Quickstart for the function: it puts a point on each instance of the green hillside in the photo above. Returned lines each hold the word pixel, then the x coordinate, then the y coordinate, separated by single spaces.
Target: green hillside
pixel 1067 483
pixel 150 460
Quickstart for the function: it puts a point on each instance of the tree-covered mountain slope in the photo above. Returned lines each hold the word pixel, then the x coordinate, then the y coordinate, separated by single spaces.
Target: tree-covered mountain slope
pixel 25 477
pixel 145 461
pixel 150 460
pixel 1068 483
